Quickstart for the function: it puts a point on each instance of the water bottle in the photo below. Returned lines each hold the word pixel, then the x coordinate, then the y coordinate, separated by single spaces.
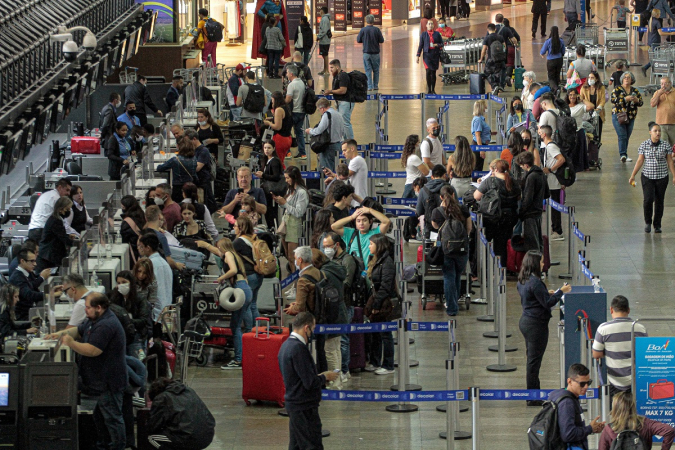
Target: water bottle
pixel 597 287
pixel 94 280
pixel 118 238
pixel 108 250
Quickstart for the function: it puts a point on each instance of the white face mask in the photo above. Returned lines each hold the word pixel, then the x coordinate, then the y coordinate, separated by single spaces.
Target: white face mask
pixel 329 252
pixel 139 139
pixel 159 201
pixel 526 83
pixel 202 123
pixel 591 82
pixel 124 288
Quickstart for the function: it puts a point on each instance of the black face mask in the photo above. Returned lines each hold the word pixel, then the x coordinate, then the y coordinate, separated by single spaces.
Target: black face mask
pixel 527 141
pixel 132 112
pixel 518 107
pixel 436 132
pixel 65 215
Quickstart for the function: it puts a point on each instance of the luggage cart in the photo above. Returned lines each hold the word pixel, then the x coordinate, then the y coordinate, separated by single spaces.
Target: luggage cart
pixel 463 55
pixel 617 42
pixel 586 34
pixel 662 58
pixel 190 345
pixel 127 77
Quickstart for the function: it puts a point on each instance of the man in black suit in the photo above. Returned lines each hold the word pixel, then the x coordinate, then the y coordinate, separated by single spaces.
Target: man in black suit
pixel 28 283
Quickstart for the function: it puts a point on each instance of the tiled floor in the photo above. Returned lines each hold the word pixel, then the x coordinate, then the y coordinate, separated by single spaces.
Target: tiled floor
pixel 608 209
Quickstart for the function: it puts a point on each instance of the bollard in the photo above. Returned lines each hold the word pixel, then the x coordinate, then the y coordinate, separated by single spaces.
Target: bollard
pixel 406 307
pixel 489 272
pixel 501 313
pixel 403 367
pixel 474 393
pixel 604 398
pixel 571 224
pixel 403 406
pixel 501 366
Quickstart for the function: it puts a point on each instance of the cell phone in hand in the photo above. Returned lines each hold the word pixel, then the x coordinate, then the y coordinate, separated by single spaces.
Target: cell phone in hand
pixel 240 190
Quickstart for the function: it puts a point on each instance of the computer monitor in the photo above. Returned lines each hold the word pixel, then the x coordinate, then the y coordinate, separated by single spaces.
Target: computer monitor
pixel 132 46
pixel 49 386
pixel 9 389
pixel 43 124
pixel 28 138
pixel 92 78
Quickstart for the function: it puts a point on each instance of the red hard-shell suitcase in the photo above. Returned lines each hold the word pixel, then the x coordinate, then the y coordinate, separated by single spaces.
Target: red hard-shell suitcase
pixel 85 145
pixel 662 389
pixel 514 259
pixel 357 344
pixel 261 374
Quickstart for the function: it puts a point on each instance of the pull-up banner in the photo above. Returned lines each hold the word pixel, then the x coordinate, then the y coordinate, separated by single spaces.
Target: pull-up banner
pixel 340 7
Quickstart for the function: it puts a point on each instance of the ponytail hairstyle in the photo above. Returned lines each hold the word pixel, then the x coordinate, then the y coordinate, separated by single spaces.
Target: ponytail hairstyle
pixel 409 148
pixel 501 166
pixel 452 208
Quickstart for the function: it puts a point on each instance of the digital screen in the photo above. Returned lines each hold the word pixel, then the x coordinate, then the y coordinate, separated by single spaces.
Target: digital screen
pixel 93 78
pixel 28 137
pixel 4 389
pixel 42 125
pixel 113 56
pixel 50 390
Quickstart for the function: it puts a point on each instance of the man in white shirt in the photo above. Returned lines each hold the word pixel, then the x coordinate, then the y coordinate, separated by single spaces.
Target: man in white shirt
pixel 148 244
pixel 553 160
pixel 74 288
pixel 44 207
pixel 550 114
pixel 295 94
pixel 431 147
pixel 358 170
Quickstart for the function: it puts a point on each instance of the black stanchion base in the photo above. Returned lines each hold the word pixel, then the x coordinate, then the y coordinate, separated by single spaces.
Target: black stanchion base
pixel 411 363
pixel 325 433
pixel 386 192
pixel 411 341
pixel 487 318
pixel 283 412
pixel 411 290
pixel 479 301
pixel 459 435
pixel 501 368
pixel 565 276
pixel 406 408
pixel 507 348
pixel 408 387
pixel 555 263
pixel 443 408
pixel 494 334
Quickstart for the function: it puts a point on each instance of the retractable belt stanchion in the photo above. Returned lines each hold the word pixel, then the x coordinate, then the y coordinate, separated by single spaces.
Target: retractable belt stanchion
pixel 406 306
pixel 403 342
pixel 452 408
pixel 452 326
pixel 561 351
pixel 603 392
pixel 496 281
pixel 500 315
pixel 501 366
pixel 549 224
pixel 450 412
pixel 474 393
pixel 480 257
pixel 571 254
pixel 488 266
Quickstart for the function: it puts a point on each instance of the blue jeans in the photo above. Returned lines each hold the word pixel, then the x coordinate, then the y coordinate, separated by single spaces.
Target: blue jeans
pixel 408 191
pixel 344 342
pixel 238 315
pixel 623 132
pixel 235 112
pixel 254 282
pixel 346 109
pixel 453 267
pixel 273 62
pixel 327 158
pixel 108 419
pixel 306 54
pixel 571 17
pixel 371 62
pixel 298 124
pixel 382 343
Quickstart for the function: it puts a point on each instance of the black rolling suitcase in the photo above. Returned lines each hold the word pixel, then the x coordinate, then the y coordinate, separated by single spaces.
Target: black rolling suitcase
pixel 357 344
pixel 453 11
pixel 477 84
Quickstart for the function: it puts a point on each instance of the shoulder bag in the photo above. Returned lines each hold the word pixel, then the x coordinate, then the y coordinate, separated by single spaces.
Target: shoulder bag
pixel 320 143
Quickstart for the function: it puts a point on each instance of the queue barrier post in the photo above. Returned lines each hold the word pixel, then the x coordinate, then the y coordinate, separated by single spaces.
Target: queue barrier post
pixel 494 281
pixel 501 366
pixel 489 276
pixel 450 412
pixel 480 261
pixel 402 372
pixel 586 357
pixel 474 393
pixel 452 354
pixel 571 225
pixel 500 310
pixel 603 392
pixel 406 307
pixel 561 352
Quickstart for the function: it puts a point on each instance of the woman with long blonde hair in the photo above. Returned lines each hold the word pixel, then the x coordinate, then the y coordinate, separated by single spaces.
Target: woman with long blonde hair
pixel 460 165
pixel 624 417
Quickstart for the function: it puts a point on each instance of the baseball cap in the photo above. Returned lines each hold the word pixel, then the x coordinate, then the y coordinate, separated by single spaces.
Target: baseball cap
pixel 239 67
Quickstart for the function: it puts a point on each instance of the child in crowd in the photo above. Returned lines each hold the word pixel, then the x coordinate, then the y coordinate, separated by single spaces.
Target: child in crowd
pixel 621 12
pixel 247 209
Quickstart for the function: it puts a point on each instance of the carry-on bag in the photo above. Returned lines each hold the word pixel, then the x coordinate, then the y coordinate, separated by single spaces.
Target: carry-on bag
pixel 86 145
pixel 661 390
pixel 477 84
pixel 261 375
pixel 514 259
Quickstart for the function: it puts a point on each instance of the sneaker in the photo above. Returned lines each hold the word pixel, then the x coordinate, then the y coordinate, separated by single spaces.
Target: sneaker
pixel 629 159
pixel 289 155
pixel 335 385
pixel 345 377
pixel 623 159
pixel 383 371
pixel 301 157
pixel 232 365
pixel 557 237
pixel 370 368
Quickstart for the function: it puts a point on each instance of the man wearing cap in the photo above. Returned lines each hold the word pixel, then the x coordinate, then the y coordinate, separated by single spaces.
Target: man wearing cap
pixel 233 85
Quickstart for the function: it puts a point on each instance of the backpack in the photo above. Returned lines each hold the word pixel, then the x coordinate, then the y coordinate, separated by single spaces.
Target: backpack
pixel 127 325
pixel 518 174
pixel 454 238
pixel 497 53
pixel 326 300
pixel 214 30
pixel 309 100
pixel 544 432
pixel 432 202
pixel 627 440
pixel 359 283
pixel 358 86
pixel 565 135
pixel 264 263
pixel 255 99
pixel 490 205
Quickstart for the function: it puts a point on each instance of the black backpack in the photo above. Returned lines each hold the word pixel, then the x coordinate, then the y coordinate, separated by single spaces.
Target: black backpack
pixel 544 432
pixel 255 99
pixel 127 325
pixel 359 283
pixel 358 86
pixel 490 205
pixel 214 30
pixel 432 202
pixel 326 300
pixel 309 100
pixel 497 52
pixel 627 440
pixel 454 238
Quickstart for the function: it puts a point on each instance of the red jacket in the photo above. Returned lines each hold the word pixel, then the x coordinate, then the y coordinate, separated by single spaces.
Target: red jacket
pixel 650 428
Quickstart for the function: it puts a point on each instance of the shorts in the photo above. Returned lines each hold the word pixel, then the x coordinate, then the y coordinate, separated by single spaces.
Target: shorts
pixel 323 49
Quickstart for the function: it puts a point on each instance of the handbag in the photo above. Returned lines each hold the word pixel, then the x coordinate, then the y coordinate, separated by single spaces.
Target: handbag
pixel 383 313
pixel 272 188
pixel 321 142
pixel 263 46
pixel 281 230
pixel 573 81
pixel 435 256
pixel 622 118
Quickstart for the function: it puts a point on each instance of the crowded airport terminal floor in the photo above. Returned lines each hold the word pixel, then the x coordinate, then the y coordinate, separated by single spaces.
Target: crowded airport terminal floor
pixel 604 208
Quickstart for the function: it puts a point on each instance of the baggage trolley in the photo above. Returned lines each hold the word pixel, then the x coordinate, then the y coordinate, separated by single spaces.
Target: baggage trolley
pixel 586 34
pixel 190 345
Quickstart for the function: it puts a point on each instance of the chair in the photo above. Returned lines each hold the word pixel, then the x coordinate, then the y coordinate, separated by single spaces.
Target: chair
pixel 73 168
pixel 33 200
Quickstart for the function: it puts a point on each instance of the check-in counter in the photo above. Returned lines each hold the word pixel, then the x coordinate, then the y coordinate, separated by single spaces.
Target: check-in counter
pixel 119 251
pixel 106 271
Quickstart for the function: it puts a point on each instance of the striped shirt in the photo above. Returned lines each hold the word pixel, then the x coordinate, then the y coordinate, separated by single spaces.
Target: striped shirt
pixel 613 338
pixel 656 165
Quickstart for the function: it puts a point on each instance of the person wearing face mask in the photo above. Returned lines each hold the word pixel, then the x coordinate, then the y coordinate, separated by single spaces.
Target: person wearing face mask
pixel 593 95
pixel 76 291
pixel 413 165
pixel 664 100
pixel 210 134
pixel 118 149
pixel 79 220
pixel 55 240
pixel 529 146
pixel 445 31
pixel 125 295
pixel 529 78
pixel 656 156
pixel 164 198
pixel 517 115
pixel 108 116
pixel 129 115
pixel 431 148
pixel 480 130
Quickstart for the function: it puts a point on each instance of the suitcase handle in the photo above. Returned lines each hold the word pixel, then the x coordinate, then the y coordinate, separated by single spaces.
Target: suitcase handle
pixel 658 381
pixel 257 327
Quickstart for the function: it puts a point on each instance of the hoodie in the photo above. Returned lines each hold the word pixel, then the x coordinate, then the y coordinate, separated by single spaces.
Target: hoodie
pixel 534 193
pixel 336 274
pixel 434 186
pixel 573 429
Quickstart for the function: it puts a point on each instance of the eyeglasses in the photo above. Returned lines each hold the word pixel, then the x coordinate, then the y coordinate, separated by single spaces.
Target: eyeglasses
pixel 583 383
